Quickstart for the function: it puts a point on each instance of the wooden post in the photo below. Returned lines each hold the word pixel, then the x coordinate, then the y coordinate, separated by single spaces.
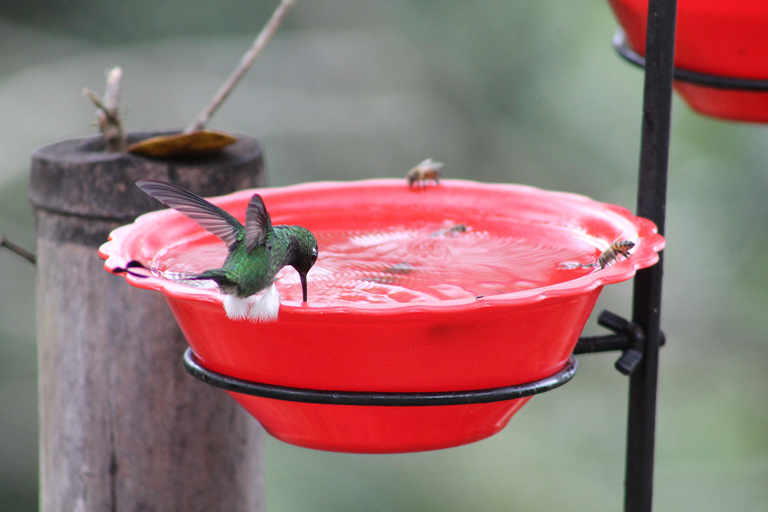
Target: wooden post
pixel 122 426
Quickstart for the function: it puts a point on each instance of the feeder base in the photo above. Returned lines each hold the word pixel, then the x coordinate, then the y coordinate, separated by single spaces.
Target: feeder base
pixel 369 422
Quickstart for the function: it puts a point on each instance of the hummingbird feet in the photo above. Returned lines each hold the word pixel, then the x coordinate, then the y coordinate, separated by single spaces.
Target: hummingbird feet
pixel 262 307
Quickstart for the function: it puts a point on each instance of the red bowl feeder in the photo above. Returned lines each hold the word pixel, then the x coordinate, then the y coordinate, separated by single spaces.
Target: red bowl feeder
pixel 721 53
pixel 434 313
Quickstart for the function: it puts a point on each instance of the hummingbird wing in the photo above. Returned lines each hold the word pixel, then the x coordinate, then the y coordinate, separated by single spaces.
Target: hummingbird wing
pixel 208 215
pixel 257 223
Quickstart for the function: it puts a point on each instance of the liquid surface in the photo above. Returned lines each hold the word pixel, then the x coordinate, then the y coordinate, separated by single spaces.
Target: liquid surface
pixel 421 263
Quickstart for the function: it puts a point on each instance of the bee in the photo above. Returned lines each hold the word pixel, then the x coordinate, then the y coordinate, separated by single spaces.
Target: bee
pixel 608 257
pixel 426 170
pixel 611 254
pixel 403 268
pixel 456 228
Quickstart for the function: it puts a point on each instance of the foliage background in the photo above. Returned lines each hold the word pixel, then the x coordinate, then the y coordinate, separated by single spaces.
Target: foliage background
pixel 525 92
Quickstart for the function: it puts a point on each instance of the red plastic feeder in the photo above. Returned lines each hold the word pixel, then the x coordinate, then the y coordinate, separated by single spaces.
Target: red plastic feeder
pixel 723 41
pixel 431 310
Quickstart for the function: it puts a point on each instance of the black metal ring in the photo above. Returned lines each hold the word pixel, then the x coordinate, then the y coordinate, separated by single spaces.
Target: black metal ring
pixel 621 46
pixel 314 396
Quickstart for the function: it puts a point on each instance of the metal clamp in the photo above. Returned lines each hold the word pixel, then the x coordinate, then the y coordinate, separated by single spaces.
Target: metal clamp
pixel 628 337
pixel 632 356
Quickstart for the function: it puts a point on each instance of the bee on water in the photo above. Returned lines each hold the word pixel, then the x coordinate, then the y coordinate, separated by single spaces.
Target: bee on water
pixel 456 228
pixel 426 170
pixel 608 257
pixel 611 254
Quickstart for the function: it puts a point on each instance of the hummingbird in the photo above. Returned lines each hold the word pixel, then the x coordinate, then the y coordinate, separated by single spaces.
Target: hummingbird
pixel 257 251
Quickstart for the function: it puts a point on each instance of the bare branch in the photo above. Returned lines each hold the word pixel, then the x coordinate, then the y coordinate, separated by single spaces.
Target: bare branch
pixel 112 91
pixel 30 257
pixel 107 115
pixel 245 63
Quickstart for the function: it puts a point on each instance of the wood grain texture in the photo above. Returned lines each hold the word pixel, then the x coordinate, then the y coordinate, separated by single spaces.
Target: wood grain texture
pixel 122 426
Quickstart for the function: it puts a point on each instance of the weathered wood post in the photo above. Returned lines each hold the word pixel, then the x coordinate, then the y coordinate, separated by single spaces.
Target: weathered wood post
pixel 122 426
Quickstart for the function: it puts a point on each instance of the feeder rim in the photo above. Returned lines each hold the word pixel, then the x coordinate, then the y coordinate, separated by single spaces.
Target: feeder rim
pixel 645 254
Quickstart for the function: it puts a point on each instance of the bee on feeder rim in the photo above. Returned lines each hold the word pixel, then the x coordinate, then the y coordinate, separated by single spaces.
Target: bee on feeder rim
pixel 608 257
pixel 611 254
pixel 426 170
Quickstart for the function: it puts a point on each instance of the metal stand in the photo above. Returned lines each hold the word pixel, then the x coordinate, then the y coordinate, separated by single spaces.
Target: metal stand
pixel 651 204
pixel 659 73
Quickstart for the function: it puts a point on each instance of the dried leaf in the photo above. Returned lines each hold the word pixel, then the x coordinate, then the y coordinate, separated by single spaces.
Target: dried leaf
pixel 198 144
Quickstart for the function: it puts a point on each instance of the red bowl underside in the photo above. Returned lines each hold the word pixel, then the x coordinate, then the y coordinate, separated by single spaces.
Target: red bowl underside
pixel 451 345
pixel 374 429
pixel 746 106
pixel 715 37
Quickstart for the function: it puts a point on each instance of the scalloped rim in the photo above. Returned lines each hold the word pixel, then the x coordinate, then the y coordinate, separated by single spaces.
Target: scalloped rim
pixel 648 244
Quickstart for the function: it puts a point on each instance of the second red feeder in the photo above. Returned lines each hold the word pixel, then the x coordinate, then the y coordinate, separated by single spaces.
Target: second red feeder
pixel 724 42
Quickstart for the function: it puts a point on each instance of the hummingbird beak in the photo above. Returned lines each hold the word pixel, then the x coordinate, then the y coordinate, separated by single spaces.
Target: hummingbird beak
pixel 303 276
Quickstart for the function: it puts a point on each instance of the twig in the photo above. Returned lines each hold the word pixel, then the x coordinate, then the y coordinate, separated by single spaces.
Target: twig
pixel 109 121
pixel 18 250
pixel 112 91
pixel 245 62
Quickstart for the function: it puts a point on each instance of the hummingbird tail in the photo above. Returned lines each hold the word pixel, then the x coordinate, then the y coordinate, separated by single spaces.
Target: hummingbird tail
pixel 218 276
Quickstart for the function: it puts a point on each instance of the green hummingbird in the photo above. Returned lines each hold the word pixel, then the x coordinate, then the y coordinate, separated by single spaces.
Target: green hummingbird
pixel 257 251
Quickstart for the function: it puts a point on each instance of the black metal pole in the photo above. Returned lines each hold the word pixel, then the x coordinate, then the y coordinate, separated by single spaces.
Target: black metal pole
pixel 651 203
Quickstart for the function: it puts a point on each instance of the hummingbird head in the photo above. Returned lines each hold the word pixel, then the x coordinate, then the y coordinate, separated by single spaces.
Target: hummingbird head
pixel 302 254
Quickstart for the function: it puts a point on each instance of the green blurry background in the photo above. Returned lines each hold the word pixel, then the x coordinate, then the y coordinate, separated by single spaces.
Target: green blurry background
pixel 525 92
